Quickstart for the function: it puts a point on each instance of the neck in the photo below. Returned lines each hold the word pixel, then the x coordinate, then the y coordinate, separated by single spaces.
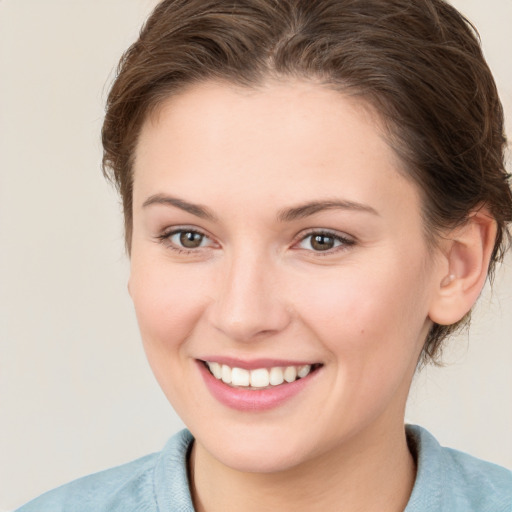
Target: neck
pixel 374 472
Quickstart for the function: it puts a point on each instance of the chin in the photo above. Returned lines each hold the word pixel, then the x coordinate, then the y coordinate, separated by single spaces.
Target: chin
pixel 252 451
pixel 254 461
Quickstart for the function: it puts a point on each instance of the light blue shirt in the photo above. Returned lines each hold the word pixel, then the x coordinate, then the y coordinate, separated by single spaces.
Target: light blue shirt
pixel 446 481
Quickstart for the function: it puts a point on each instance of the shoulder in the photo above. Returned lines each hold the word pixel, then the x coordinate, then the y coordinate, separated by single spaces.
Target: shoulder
pixel 135 486
pixel 130 482
pixel 450 480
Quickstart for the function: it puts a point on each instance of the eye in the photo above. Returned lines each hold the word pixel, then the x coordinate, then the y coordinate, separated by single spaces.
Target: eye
pixel 188 239
pixel 324 241
pixel 183 240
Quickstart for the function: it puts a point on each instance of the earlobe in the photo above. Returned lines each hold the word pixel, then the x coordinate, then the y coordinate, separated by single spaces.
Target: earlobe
pixel 468 253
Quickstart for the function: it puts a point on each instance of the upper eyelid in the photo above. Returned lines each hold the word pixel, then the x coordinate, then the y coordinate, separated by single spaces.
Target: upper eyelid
pixel 302 235
pixel 330 232
pixel 172 230
pixel 166 234
pixel 345 241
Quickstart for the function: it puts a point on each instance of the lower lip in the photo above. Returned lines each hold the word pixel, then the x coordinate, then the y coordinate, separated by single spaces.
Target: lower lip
pixel 253 400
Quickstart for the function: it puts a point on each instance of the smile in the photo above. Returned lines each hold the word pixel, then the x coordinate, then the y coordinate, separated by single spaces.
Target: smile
pixel 259 378
pixel 257 385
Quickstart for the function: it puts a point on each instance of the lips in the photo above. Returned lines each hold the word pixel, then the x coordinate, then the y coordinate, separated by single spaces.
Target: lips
pixel 256 386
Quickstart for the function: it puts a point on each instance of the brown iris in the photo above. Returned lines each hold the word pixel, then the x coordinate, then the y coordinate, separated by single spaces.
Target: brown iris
pixel 191 239
pixel 322 242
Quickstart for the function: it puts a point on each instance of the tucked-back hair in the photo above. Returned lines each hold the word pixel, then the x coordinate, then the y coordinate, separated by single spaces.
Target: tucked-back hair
pixel 418 63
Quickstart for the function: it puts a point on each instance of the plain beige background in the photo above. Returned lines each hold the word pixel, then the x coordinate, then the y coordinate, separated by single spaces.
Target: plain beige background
pixel 76 394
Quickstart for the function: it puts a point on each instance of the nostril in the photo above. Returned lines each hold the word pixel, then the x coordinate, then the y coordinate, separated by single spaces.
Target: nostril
pixel 250 325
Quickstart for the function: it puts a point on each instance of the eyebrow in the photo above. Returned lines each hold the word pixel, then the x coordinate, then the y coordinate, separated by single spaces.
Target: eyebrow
pixel 285 215
pixel 194 209
pixel 307 209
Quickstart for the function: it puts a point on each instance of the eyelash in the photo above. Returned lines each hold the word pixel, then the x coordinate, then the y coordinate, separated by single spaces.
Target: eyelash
pixel 165 239
pixel 344 242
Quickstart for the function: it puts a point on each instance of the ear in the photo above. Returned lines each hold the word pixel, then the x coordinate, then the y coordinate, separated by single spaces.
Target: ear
pixel 463 270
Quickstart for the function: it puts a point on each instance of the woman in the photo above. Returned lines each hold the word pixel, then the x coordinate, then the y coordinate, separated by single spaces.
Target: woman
pixel 314 195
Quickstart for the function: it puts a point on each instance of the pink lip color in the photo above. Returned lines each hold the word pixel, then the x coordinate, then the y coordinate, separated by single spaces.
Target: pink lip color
pixel 252 400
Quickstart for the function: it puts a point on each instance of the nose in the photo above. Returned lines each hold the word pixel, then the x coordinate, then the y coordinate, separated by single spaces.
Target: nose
pixel 250 302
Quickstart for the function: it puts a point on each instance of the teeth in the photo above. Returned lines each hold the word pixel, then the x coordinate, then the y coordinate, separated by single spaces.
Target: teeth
pixel 259 378
pixel 303 371
pixel 276 376
pixel 239 377
pixel 290 373
pixel 226 374
pixel 216 369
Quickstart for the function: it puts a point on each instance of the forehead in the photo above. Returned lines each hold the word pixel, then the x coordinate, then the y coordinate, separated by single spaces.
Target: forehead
pixel 285 140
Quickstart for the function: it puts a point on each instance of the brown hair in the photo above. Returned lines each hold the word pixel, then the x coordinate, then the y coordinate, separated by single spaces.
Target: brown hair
pixel 417 62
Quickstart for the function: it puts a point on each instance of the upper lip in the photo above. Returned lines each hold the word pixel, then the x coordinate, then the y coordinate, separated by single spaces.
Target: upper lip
pixel 254 364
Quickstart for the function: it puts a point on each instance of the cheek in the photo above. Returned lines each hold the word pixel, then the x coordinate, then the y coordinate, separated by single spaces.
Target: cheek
pixel 371 325
pixel 359 309
pixel 168 303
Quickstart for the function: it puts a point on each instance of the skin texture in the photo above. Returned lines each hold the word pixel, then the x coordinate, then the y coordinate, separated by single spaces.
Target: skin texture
pixel 256 288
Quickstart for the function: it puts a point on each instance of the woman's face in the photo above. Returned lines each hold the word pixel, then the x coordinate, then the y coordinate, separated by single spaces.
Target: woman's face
pixel 274 234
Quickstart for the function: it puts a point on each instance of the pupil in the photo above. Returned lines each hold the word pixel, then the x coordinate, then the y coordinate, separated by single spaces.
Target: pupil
pixel 322 242
pixel 190 240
